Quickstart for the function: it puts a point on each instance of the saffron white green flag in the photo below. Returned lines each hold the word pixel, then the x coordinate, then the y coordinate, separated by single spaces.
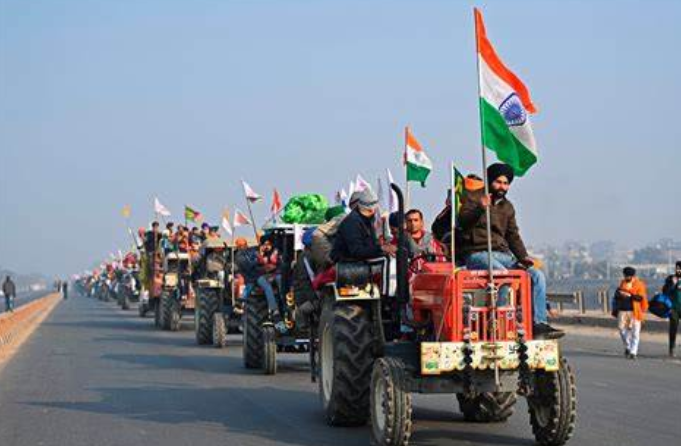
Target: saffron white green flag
pixel 505 106
pixel 418 163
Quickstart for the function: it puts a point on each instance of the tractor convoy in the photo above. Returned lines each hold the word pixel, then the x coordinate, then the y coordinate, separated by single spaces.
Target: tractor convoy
pixel 374 331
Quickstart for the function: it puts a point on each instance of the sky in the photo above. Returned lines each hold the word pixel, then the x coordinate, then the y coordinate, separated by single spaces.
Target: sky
pixel 105 103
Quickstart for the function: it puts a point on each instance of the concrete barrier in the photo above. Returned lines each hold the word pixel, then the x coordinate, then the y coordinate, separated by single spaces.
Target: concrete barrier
pixel 24 318
pixel 598 319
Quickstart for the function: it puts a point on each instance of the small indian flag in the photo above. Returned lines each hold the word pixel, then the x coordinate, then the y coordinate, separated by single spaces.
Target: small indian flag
pixel 505 106
pixel 418 163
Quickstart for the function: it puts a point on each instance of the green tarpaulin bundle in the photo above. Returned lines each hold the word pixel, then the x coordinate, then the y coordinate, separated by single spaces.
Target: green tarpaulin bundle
pixel 305 209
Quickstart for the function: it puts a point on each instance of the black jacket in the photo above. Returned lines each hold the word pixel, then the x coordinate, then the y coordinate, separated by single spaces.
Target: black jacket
pixel 356 239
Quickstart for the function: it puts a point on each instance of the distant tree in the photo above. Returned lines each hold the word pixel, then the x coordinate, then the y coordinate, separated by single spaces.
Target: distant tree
pixel 650 254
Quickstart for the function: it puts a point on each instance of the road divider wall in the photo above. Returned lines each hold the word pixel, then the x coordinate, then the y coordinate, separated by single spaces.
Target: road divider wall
pixel 25 318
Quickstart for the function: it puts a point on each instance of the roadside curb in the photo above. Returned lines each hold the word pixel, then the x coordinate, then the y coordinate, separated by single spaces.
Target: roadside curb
pixel 24 319
pixel 652 323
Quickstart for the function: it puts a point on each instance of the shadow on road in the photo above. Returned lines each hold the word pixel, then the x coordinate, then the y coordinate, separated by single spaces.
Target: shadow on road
pixel 286 416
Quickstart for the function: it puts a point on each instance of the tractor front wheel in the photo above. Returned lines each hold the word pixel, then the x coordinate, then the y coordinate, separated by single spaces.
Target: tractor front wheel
pixel 390 403
pixel 553 405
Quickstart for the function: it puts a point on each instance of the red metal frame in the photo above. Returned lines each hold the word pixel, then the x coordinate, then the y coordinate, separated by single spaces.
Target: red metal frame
pixel 438 291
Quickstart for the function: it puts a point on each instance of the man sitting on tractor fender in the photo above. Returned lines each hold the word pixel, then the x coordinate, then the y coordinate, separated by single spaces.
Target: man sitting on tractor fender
pixel 508 248
pixel 356 239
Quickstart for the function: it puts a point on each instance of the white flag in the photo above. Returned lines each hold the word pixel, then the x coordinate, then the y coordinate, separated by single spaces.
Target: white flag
pixel 361 184
pixel 240 219
pixel 343 197
pixel 251 195
pixel 160 209
pixel 227 226
pixel 351 189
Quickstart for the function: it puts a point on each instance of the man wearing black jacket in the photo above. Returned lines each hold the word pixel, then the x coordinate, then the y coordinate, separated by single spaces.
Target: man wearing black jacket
pixel 672 289
pixel 356 238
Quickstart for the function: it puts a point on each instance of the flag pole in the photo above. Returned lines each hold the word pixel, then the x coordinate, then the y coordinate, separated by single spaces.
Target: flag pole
pixel 488 209
pixel 406 172
pixel 452 203
pixel 233 278
pixel 250 212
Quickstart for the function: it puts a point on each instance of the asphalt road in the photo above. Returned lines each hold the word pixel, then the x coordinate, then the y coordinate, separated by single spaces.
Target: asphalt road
pixel 95 375
pixel 23 298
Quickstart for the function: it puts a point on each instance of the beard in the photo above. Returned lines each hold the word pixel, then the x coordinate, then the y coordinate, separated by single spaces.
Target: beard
pixel 498 194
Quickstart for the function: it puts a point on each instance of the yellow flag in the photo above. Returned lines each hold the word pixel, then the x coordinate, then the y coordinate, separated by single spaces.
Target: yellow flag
pixel 126 211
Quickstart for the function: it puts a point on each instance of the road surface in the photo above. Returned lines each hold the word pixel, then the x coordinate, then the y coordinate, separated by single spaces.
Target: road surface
pixel 95 375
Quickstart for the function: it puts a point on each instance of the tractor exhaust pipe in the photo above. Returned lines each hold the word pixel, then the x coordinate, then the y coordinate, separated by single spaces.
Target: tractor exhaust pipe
pixel 402 250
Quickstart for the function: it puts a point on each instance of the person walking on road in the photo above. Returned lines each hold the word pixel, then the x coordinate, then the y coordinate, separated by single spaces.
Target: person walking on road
pixel 65 289
pixel 672 289
pixel 10 292
pixel 630 304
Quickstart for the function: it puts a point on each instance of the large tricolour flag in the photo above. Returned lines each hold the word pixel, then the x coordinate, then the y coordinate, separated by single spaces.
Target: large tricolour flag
pixel 505 106
pixel 418 163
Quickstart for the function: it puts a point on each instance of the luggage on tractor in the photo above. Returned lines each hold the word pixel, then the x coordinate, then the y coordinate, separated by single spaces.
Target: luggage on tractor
pixel 446 330
pixel 177 295
pixel 262 340
pixel 217 312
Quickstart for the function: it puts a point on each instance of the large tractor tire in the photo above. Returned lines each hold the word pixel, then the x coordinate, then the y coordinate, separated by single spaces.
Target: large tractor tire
pixel 346 357
pixel 171 311
pixel 255 314
pixel 219 331
pixel 158 314
pixel 390 403
pixel 142 309
pixel 553 406
pixel 487 407
pixel 125 300
pixel 269 358
pixel 207 305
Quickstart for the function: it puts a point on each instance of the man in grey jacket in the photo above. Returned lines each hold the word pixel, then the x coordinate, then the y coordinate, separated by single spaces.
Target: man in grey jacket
pixel 10 292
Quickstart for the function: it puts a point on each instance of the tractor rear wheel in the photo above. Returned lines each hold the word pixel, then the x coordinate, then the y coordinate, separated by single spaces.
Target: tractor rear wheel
pixel 346 358
pixel 553 405
pixel 207 305
pixel 125 300
pixel 269 358
pixel 158 314
pixel 390 403
pixel 219 331
pixel 171 311
pixel 255 315
pixel 487 407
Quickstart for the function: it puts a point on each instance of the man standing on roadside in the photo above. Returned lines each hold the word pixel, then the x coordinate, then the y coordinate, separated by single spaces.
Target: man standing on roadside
pixel 65 289
pixel 629 307
pixel 10 292
pixel 672 289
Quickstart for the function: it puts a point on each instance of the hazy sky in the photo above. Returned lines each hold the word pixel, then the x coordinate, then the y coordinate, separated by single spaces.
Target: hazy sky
pixel 104 103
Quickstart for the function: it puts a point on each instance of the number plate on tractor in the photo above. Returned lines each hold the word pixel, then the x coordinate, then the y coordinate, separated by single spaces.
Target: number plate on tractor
pixel 443 357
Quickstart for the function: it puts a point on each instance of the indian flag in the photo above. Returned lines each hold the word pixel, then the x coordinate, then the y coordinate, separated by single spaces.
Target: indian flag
pixel 505 106
pixel 418 163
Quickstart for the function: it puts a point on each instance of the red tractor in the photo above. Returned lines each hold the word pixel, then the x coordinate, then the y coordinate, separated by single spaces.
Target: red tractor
pixel 446 330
